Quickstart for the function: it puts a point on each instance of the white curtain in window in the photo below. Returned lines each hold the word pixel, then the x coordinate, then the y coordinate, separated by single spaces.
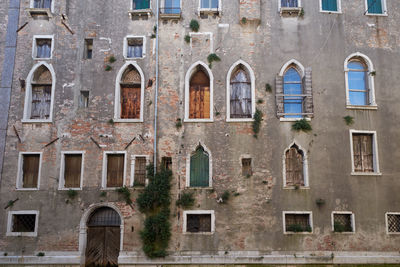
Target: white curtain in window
pixel 43 50
pixel 134 51
pixel 240 96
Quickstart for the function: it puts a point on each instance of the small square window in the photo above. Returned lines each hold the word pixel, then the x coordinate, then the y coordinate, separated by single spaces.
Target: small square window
pixel 134 47
pixel 199 221
pixel 43 48
pixel 29 171
pixel 88 53
pixel 84 99
pixel 246 167
pixel 166 163
pixel 22 223
pixel 393 223
pixel 299 222
pixel 343 222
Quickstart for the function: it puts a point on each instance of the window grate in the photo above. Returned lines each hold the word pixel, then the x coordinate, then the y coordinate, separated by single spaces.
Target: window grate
pixel 393 223
pixel 342 223
pixel 198 223
pixel 104 217
pixel 140 171
pixel 297 223
pixel 24 223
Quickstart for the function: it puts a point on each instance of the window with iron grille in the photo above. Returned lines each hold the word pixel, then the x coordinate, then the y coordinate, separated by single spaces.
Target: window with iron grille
pixel 134 47
pixel 363 155
pixel 22 223
pixel 41 3
pixel 140 171
pixel 343 222
pixel 72 170
pixel 166 163
pixel 43 48
pixel 198 223
pixel 115 170
pixel 297 222
pixel 393 222
pixel 246 167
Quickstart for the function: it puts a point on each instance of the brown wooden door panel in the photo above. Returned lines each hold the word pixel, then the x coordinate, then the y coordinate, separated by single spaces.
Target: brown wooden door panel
pixel 102 247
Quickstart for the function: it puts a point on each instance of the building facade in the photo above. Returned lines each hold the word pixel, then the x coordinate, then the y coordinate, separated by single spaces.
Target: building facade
pixel 96 86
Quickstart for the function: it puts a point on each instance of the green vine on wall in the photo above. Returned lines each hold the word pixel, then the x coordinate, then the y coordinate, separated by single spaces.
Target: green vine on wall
pixel 154 201
pixel 257 122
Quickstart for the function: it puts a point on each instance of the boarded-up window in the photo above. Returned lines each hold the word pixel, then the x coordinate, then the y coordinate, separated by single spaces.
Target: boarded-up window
pixel 130 94
pixel 196 223
pixel 41 94
pixel 199 168
pixel 30 170
pixel 297 223
pixel 140 171
pixel 22 223
pixel 43 48
pixel 294 162
pixel 42 3
pixel 134 47
pixel 342 222
pixel 115 170
pixel 72 170
pixel 393 221
pixel 240 98
pixel 199 105
pixel 166 163
pixel 246 167
pixel 363 153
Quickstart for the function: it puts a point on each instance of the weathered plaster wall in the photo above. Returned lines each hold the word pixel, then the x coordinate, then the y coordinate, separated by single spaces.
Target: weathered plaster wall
pixel 251 221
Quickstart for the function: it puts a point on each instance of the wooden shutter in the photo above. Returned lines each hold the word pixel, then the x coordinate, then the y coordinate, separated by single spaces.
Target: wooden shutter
pixel 329 5
pixel 199 169
pixel 102 247
pixel 363 153
pixel 308 105
pixel 30 171
pixel 130 102
pixel 140 171
pixel 279 97
pixel 375 6
pixel 199 96
pixel 72 171
pixel 115 170
pixel 294 167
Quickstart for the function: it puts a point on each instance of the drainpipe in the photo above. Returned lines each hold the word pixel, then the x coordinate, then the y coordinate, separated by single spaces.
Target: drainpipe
pixel 156 93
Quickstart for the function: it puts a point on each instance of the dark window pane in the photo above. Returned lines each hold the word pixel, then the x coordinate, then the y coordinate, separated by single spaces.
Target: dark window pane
pixel 23 223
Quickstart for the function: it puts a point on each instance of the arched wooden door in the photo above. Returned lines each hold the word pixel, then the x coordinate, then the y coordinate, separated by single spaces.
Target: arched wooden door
pixel 103 238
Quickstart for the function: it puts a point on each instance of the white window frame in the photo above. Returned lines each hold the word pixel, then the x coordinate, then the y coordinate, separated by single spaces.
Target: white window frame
pixel 31 5
pixel 228 92
pixel 61 184
pixel 133 161
pixel 352 220
pixel 305 167
pixel 28 94
pixel 384 9
pixel 162 4
pixel 297 212
pixel 298 5
pixel 193 149
pixel 19 183
pixel 34 46
pixel 213 10
pixel 22 212
pixel 188 76
pixel 370 83
pixel 140 9
pixel 199 212
pixel 125 48
pixel 339 8
pixel 374 151
pixel 387 224
pixel 104 171
pixel 117 106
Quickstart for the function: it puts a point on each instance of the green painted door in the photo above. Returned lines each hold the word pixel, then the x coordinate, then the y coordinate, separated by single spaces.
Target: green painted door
pixel 375 6
pixel 329 5
pixel 199 168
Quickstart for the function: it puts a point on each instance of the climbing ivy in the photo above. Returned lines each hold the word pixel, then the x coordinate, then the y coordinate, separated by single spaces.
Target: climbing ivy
pixel 154 201
pixel 257 122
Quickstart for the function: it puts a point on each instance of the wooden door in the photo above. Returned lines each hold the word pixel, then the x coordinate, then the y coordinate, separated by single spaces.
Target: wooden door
pixel 102 247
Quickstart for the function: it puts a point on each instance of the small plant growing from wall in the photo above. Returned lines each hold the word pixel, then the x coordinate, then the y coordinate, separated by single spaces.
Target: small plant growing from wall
pixel 154 202
pixel 268 88
pixel 124 191
pixel 339 228
pixel 110 121
pixel 194 25
pixel 260 101
pixel 211 58
pixel 244 20
pixel 72 193
pixel 178 123
pixel 301 14
pixel 153 35
pixel 372 73
pixel 103 194
pixel 301 125
pixel 296 228
pixel 224 197
pixel 112 59
pixel 349 120
pixel 257 122
pixel 108 68
pixel 186 200
pixel 40 254
pixel 320 201
pixel 187 38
